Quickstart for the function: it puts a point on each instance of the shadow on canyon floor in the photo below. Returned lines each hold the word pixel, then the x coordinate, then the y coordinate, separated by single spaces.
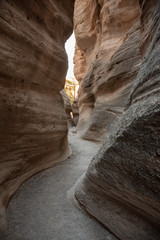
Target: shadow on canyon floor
pixel 40 209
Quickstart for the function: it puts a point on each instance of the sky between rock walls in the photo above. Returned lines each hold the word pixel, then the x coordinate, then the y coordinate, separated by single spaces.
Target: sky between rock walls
pixel 69 46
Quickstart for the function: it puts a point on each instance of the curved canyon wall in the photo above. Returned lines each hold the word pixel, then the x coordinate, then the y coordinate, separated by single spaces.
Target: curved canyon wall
pixel 107 58
pixel 68 108
pixel 121 188
pixel 33 65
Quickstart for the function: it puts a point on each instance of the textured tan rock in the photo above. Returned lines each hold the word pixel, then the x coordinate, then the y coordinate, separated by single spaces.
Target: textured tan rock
pixel 68 108
pixel 79 62
pixel 105 53
pixel 121 188
pixel 33 65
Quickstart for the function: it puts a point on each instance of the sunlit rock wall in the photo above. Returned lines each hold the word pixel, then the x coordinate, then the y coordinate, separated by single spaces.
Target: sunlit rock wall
pixel 33 65
pixel 121 188
pixel 107 59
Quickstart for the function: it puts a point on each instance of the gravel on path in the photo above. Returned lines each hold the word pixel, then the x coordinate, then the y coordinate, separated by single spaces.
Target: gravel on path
pixel 40 210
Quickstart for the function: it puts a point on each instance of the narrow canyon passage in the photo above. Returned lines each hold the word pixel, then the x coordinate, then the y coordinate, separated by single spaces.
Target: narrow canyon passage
pixel 40 208
pixel 117 70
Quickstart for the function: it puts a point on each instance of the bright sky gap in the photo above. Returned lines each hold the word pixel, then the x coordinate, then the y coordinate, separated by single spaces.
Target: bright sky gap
pixel 69 46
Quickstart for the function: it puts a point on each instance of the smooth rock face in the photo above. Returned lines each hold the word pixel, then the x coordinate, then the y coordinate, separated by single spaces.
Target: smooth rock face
pixel 121 188
pixel 107 60
pixel 33 65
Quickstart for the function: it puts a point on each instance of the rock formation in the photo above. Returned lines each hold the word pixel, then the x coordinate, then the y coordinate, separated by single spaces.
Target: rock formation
pixel 75 110
pixel 33 65
pixel 79 64
pixel 121 188
pixel 109 57
pixel 68 108
pixel 118 67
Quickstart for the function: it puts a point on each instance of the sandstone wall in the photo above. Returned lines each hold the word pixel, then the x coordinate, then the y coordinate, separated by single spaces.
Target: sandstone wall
pixel 107 58
pixel 33 65
pixel 121 188
pixel 68 108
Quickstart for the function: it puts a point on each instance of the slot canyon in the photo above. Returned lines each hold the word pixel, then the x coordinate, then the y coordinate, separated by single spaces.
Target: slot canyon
pixel 94 175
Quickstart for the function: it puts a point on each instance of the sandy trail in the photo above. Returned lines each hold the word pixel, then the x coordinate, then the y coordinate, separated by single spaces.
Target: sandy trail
pixel 40 209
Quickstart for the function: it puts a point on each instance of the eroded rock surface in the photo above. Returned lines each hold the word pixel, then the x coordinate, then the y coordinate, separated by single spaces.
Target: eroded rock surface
pixel 107 59
pixel 33 65
pixel 122 185
pixel 68 108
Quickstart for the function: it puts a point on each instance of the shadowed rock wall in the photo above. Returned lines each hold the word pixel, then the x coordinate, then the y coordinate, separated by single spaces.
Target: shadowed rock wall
pixel 75 111
pixel 33 65
pixel 68 108
pixel 121 188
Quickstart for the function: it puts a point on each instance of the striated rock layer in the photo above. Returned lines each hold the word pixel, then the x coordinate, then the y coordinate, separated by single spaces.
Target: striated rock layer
pixel 121 188
pixel 107 60
pixel 33 65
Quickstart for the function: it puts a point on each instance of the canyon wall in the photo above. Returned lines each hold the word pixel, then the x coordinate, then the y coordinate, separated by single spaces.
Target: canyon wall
pixel 68 108
pixel 107 58
pixel 75 109
pixel 121 188
pixel 33 65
